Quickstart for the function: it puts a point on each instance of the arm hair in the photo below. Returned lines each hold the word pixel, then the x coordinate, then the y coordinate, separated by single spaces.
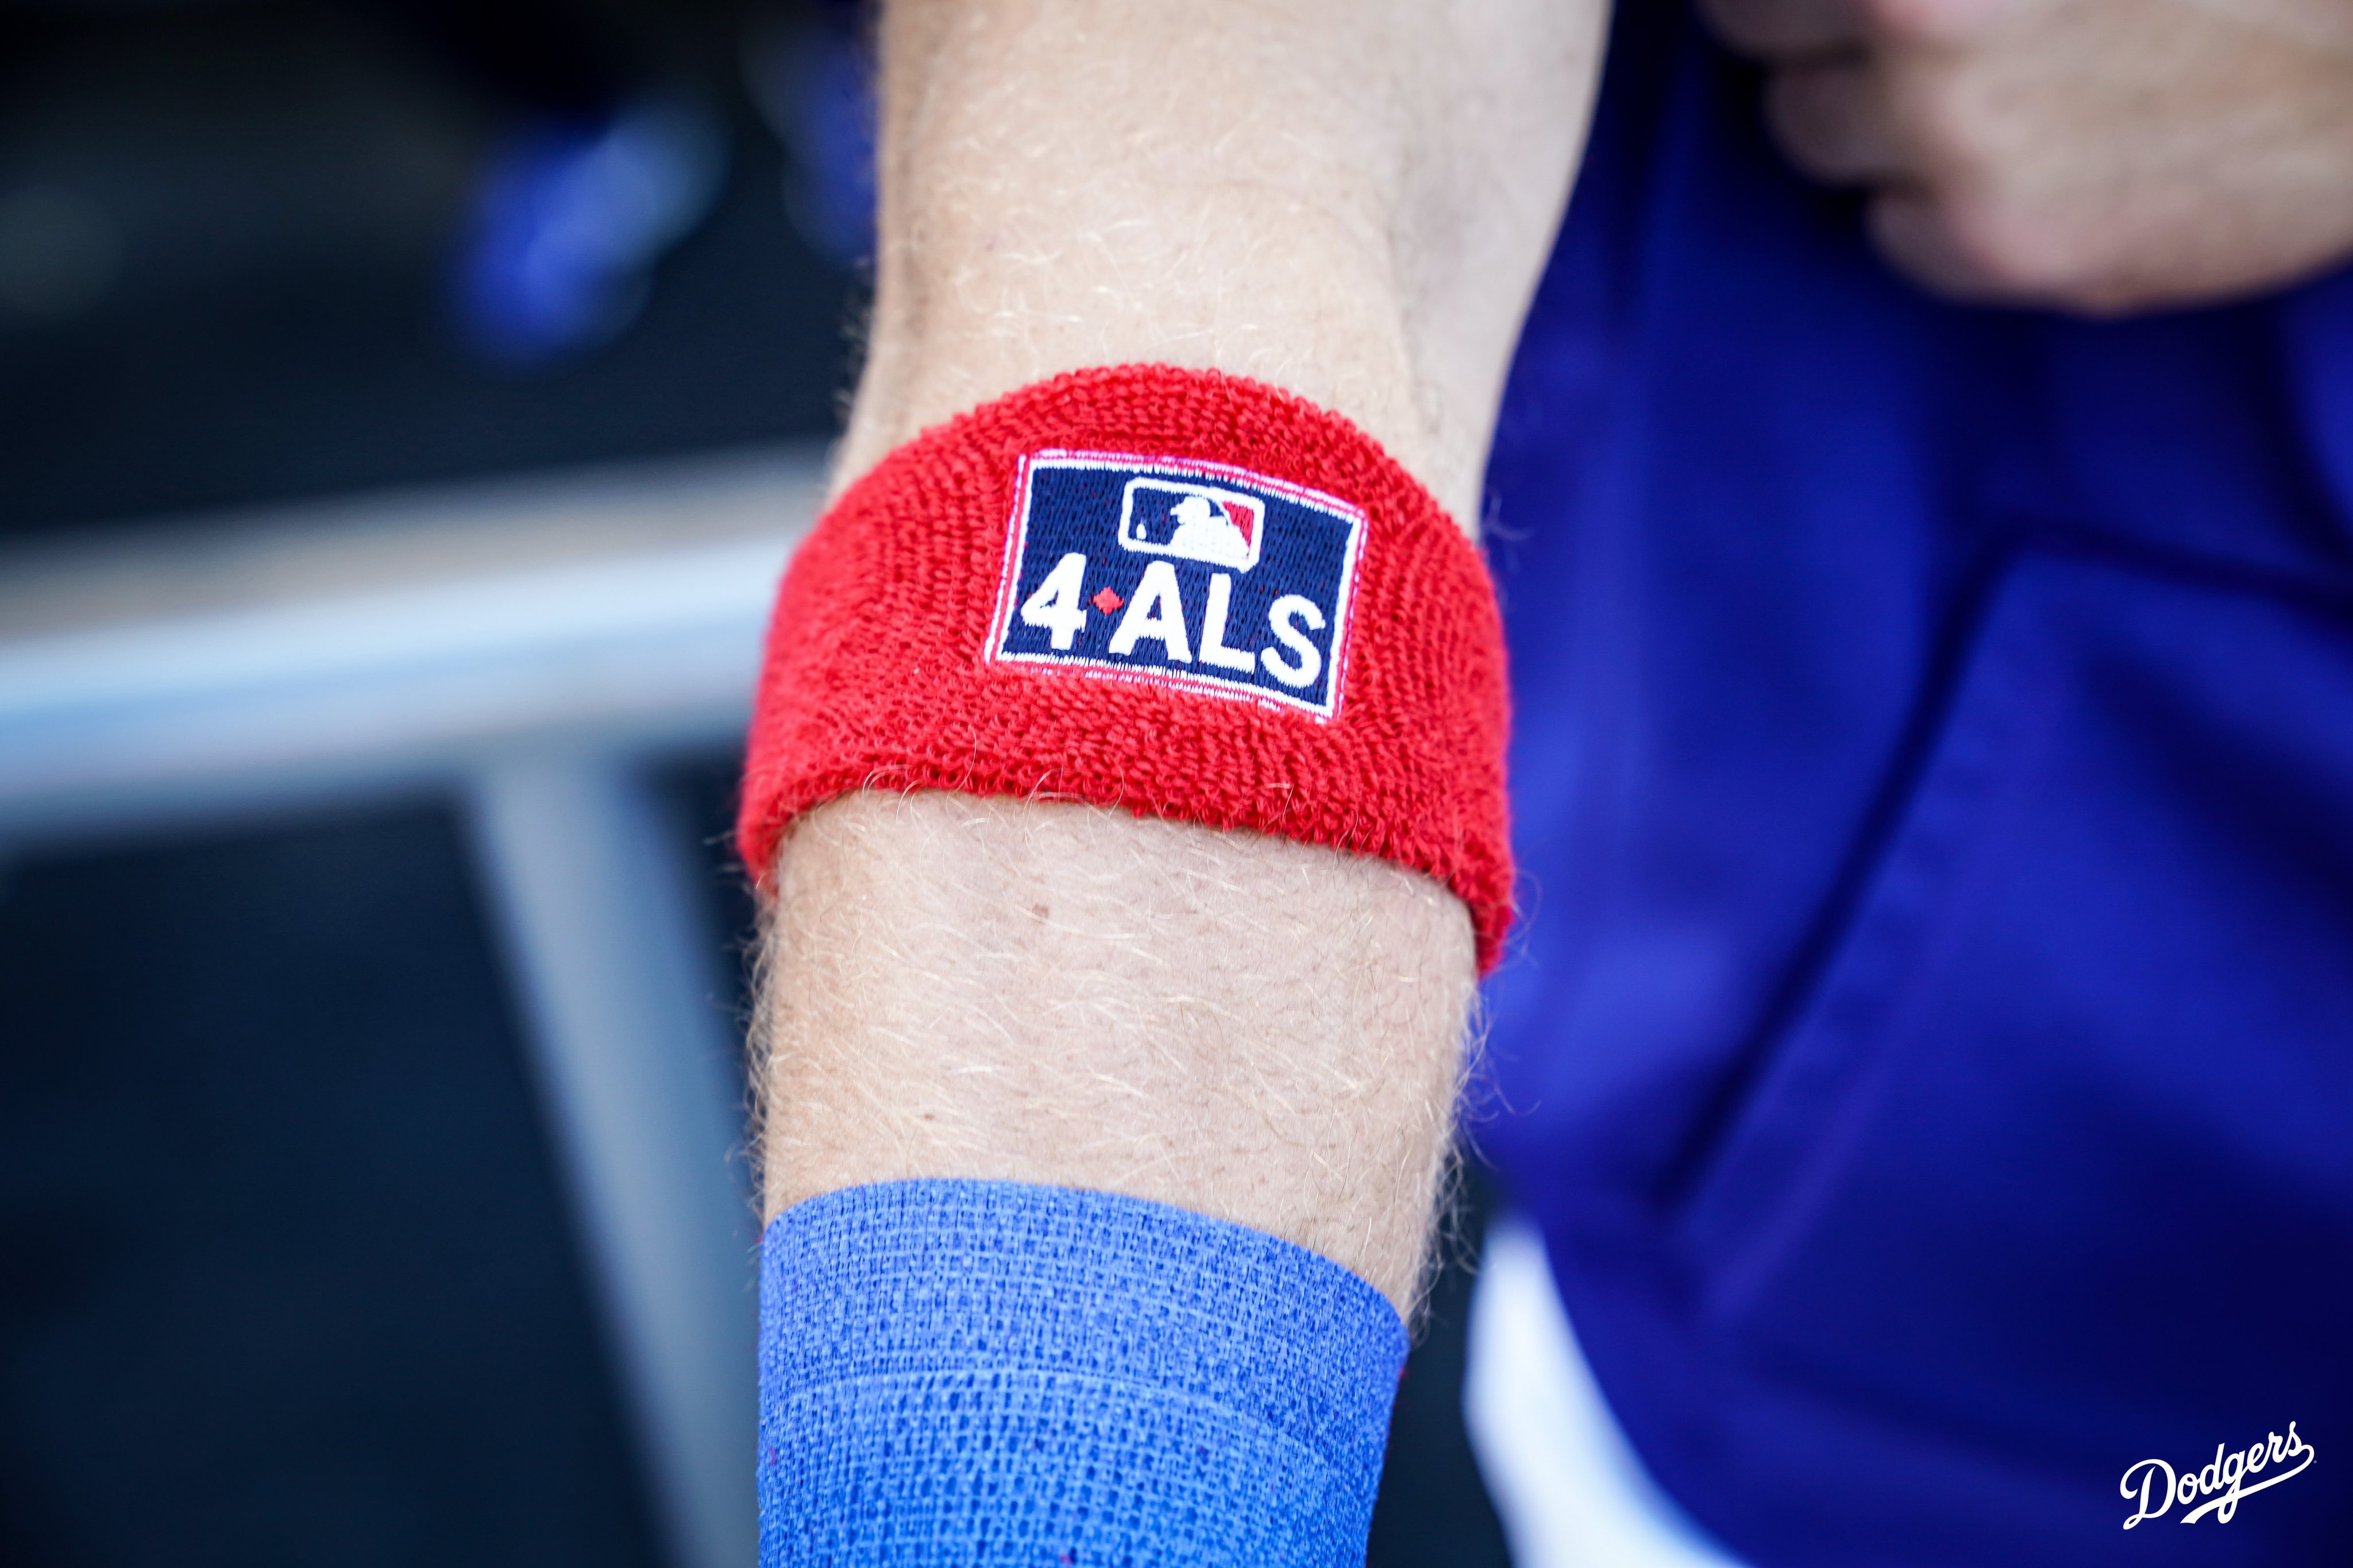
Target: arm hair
pixel 1351 199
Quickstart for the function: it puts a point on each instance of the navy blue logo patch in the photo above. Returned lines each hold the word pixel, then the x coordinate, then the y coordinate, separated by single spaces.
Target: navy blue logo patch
pixel 1193 575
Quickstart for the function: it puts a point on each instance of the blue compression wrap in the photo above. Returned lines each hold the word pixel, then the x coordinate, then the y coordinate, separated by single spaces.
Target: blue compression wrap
pixel 987 1372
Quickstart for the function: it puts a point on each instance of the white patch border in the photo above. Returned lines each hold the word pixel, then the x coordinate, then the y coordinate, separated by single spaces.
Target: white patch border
pixel 1017 539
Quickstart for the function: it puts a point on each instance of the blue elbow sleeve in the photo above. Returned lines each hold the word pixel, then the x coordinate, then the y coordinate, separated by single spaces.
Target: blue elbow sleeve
pixel 988 1373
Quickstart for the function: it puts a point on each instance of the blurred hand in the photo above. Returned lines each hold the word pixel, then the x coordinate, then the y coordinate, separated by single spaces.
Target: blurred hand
pixel 2100 155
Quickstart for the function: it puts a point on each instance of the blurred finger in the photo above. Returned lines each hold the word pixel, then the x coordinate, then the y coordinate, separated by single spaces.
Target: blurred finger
pixel 1991 252
pixel 1785 29
pixel 1834 121
pixel 1916 232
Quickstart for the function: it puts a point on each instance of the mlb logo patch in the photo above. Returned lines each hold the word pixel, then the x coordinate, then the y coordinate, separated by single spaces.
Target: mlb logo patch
pixel 1191 574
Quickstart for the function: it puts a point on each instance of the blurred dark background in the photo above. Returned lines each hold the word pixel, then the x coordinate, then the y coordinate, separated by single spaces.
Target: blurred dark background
pixel 252 251
pixel 285 1271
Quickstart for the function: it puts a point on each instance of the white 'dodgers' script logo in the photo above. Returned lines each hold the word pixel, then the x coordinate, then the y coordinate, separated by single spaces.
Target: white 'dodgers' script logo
pixel 2154 1487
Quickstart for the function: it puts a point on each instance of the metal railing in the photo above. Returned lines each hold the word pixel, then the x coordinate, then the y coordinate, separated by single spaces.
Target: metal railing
pixel 529 648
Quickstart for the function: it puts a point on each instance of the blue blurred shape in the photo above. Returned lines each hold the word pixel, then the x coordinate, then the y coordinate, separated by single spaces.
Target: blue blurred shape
pixel 569 221
pixel 815 90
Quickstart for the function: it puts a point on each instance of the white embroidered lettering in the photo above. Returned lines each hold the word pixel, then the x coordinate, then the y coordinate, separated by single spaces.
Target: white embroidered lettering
pixel 1158 613
pixel 1213 630
pixel 1282 618
pixel 1055 607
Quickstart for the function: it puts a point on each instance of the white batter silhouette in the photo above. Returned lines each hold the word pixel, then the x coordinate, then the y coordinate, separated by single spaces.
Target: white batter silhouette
pixel 1205 533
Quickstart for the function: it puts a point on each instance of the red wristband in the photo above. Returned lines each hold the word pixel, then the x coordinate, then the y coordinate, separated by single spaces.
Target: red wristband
pixel 1179 593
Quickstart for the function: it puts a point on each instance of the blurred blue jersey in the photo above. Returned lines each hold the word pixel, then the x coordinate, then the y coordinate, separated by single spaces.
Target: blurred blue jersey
pixel 1929 1048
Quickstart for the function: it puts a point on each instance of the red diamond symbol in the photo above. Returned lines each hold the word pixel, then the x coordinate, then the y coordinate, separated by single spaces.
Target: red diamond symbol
pixel 1105 600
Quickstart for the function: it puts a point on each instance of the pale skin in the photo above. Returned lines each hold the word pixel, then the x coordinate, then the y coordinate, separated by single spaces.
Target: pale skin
pixel 2101 156
pixel 1351 199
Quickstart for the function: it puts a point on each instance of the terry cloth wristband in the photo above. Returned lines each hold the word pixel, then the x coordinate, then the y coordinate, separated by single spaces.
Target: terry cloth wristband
pixel 1176 592
pixel 959 1373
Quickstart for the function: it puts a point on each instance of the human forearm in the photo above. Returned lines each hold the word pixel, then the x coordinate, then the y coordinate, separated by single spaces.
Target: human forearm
pixel 1250 1029
pixel 1349 201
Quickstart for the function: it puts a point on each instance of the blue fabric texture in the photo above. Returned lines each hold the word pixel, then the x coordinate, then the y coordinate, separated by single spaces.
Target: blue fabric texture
pixel 1927 1044
pixel 993 1372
